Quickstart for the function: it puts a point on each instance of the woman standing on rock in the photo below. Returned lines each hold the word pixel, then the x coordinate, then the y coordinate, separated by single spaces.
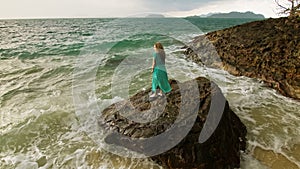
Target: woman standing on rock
pixel 159 73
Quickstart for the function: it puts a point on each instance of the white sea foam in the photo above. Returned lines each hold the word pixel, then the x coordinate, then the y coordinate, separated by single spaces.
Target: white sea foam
pixel 38 118
pixel 248 162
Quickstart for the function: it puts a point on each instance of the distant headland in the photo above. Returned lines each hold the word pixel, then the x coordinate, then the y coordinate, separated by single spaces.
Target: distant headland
pixel 155 16
pixel 232 15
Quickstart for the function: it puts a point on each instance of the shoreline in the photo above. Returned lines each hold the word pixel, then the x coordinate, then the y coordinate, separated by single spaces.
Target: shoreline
pixel 261 49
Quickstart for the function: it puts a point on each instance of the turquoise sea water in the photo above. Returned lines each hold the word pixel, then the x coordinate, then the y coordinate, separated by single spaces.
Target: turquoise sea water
pixel 47 64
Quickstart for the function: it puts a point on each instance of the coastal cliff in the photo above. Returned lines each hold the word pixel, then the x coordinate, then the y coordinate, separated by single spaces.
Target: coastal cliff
pixel 267 50
pixel 207 106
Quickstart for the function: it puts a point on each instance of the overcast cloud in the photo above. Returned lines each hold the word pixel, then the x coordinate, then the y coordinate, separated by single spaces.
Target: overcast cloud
pixel 124 8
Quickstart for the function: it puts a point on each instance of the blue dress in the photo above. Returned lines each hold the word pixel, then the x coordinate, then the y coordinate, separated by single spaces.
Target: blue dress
pixel 159 75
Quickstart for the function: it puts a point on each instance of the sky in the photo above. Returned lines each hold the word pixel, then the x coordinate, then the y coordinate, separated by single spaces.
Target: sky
pixel 10 9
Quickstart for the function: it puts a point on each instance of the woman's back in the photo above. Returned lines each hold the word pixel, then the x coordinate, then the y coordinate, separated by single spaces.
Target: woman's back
pixel 159 60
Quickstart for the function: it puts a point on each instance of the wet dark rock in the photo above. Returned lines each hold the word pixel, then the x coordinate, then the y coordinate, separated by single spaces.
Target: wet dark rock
pixel 145 119
pixel 267 50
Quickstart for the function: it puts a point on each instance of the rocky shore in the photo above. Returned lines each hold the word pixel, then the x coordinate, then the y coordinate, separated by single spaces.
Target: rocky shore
pixel 214 136
pixel 268 50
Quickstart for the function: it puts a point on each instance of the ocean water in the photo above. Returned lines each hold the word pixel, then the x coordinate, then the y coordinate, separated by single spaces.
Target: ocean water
pixel 57 75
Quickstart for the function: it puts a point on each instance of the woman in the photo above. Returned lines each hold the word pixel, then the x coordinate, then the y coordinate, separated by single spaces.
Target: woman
pixel 159 72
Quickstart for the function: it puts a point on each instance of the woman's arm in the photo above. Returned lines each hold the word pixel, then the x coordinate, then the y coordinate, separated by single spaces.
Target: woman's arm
pixel 153 64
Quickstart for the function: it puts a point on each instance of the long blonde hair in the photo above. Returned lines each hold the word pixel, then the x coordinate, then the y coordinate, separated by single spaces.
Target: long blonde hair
pixel 160 50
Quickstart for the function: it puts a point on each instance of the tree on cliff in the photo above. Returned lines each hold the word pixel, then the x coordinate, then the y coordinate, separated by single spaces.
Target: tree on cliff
pixel 291 7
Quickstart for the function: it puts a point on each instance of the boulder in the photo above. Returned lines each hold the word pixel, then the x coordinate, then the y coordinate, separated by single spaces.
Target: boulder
pixel 190 127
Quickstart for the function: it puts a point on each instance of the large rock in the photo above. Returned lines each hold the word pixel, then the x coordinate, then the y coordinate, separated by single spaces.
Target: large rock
pixel 267 50
pixel 198 104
